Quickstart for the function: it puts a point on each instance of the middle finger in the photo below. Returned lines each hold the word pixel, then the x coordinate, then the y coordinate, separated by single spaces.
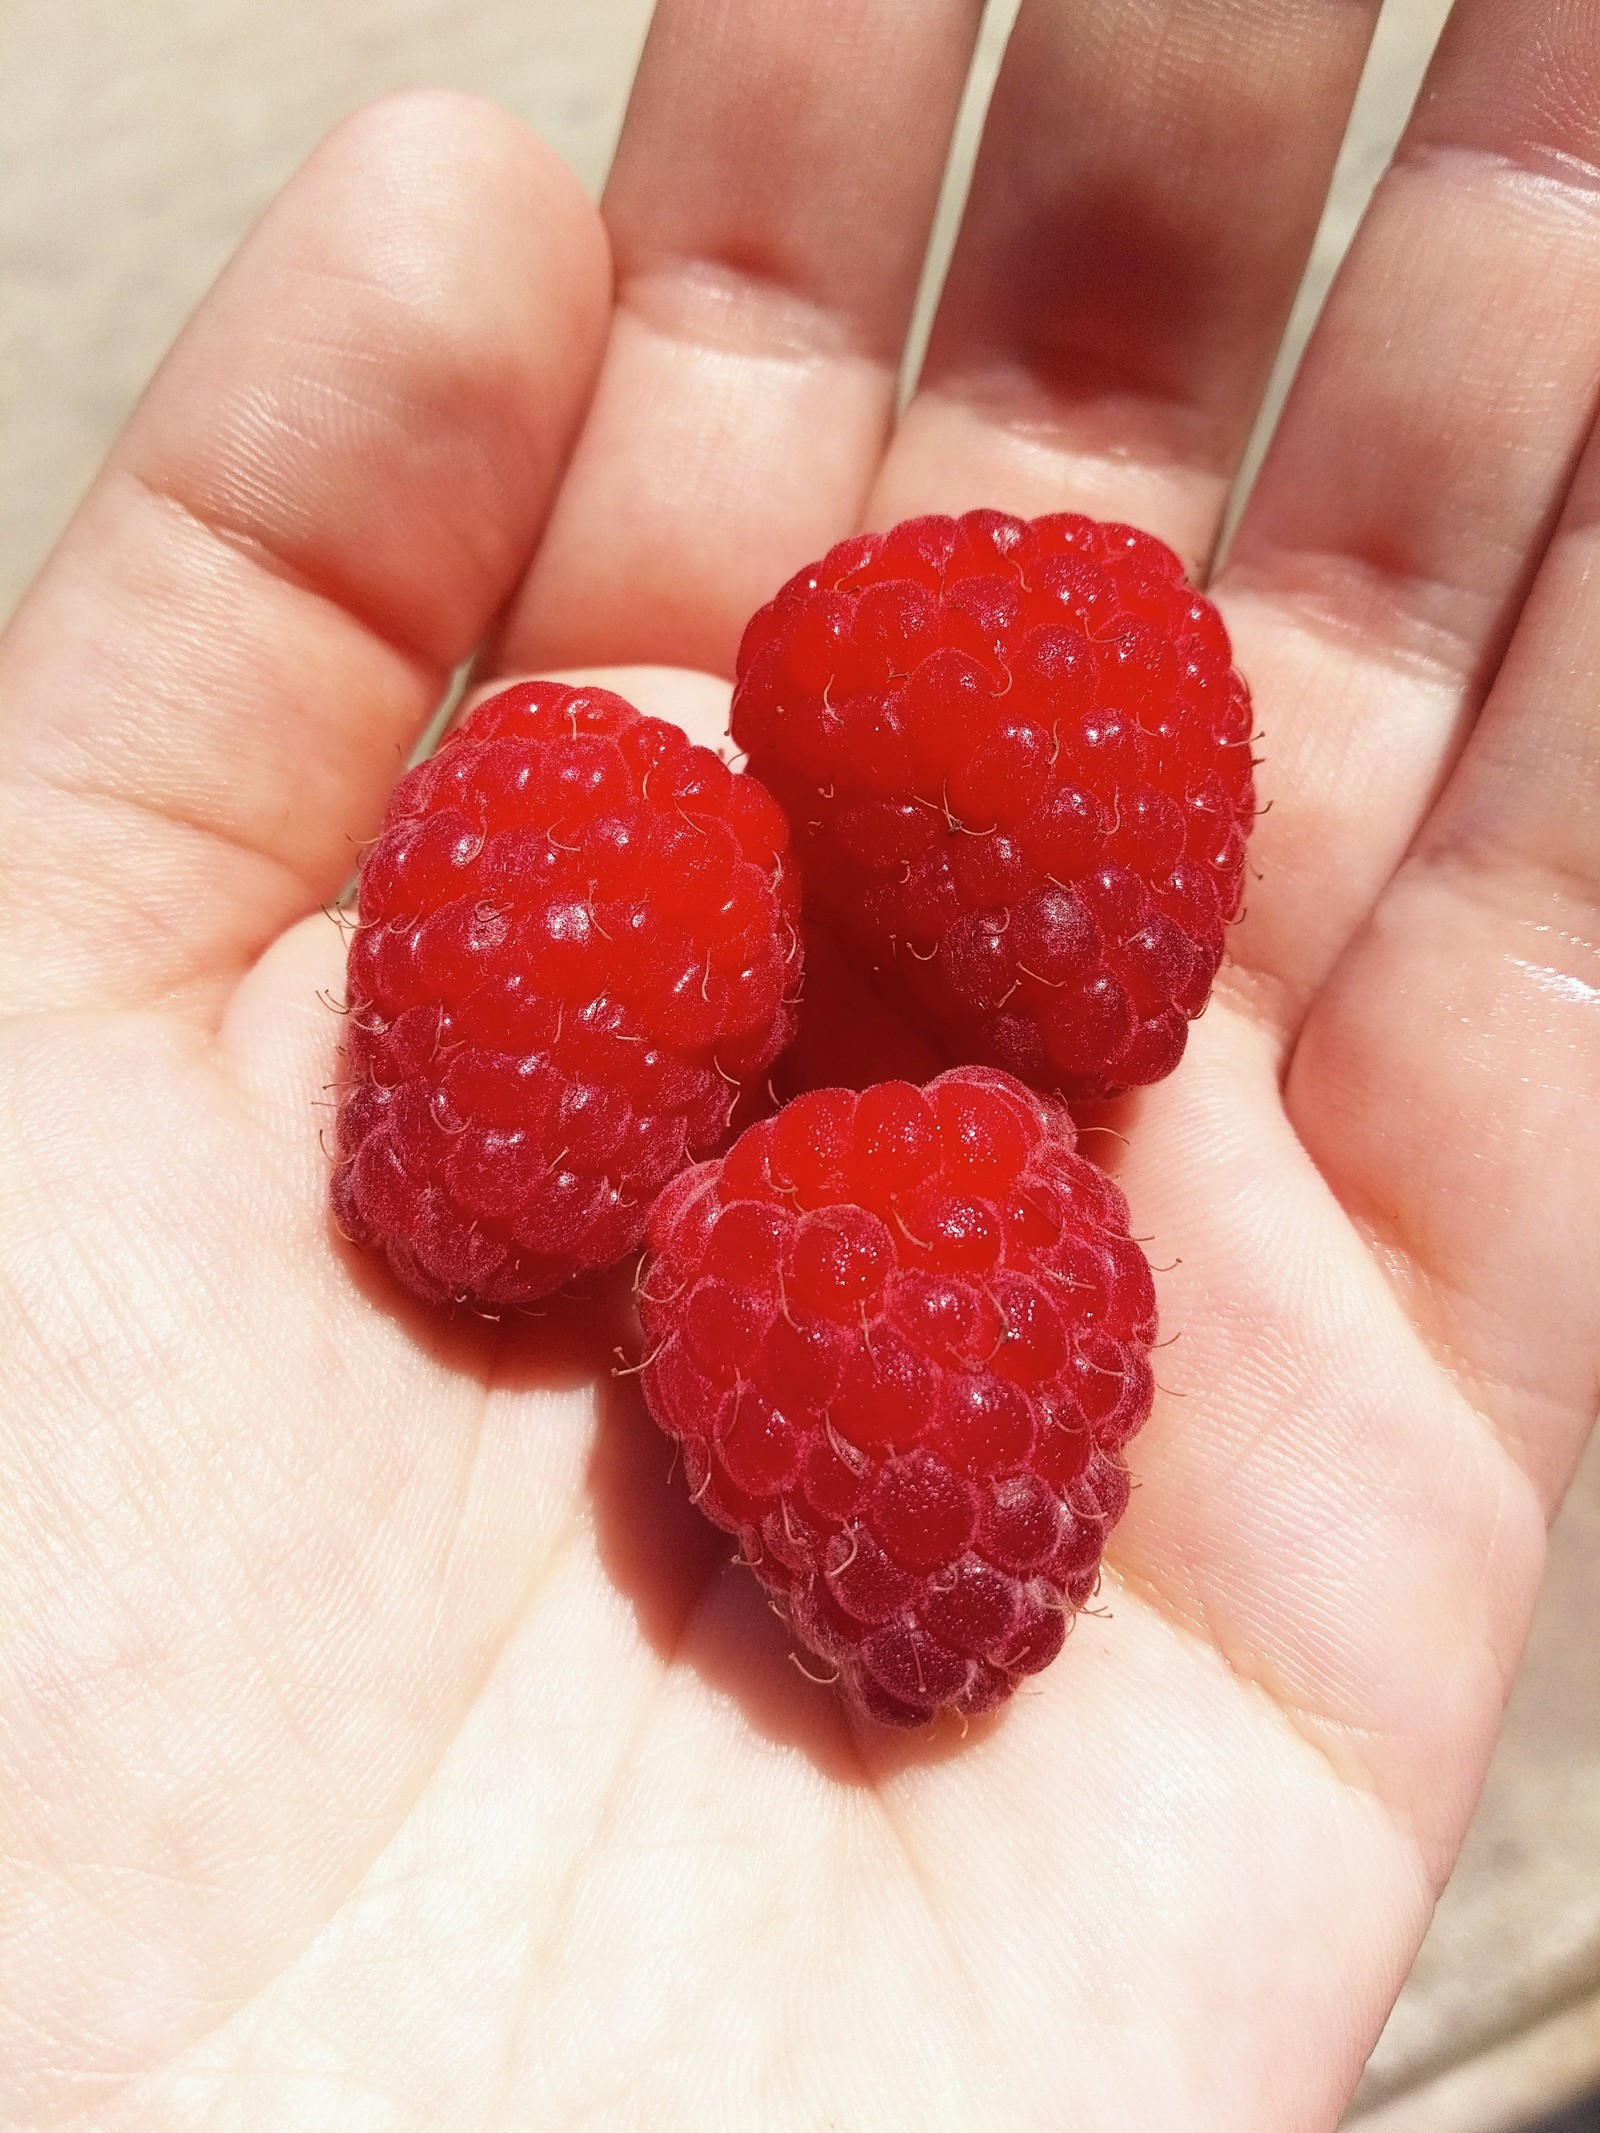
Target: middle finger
pixel 768 209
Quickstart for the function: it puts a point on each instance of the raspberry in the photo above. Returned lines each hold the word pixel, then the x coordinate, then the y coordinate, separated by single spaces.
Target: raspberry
pixel 578 936
pixel 902 1337
pixel 1017 761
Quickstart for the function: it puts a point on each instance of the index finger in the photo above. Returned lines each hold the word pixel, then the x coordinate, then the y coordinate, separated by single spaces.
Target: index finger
pixel 323 498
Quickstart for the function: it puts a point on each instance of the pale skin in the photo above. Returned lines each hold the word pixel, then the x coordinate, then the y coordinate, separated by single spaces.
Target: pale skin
pixel 384 1744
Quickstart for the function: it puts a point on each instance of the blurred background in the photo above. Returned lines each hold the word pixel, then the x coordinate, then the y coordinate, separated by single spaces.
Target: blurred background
pixel 137 144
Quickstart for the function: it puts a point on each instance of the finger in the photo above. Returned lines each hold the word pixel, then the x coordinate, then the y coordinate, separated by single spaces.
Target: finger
pixel 1416 473
pixel 1148 187
pixel 769 209
pixel 1449 1078
pixel 323 498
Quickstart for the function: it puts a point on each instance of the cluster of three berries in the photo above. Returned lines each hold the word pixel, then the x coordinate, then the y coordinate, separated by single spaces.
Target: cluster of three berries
pixel 902 1334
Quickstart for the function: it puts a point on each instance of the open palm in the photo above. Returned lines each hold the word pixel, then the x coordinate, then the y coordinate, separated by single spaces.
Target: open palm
pixel 383 1742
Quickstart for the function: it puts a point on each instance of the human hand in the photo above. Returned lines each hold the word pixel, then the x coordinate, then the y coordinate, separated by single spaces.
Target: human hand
pixel 383 1743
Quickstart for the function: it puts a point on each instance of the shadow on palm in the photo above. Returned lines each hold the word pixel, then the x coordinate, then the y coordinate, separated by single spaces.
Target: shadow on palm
pixel 698 1607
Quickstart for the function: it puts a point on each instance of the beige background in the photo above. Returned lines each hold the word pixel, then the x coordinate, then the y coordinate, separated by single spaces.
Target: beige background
pixel 138 140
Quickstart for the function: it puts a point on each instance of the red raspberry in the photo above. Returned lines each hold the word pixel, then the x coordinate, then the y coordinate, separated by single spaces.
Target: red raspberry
pixel 902 1337
pixel 1017 761
pixel 578 936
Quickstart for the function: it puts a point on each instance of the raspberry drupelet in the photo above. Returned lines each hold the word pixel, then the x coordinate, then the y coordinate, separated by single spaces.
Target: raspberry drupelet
pixel 577 939
pixel 1016 758
pixel 902 1337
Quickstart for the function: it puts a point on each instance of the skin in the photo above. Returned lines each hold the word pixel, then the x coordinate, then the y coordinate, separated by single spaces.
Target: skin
pixel 384 1744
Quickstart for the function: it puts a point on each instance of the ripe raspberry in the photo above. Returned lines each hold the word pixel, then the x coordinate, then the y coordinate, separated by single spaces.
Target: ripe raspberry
pixel 1016 758
pixel 903 1337
pixel 578 934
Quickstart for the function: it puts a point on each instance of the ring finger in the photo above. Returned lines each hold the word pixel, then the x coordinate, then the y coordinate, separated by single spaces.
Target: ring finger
pixel 1147 190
